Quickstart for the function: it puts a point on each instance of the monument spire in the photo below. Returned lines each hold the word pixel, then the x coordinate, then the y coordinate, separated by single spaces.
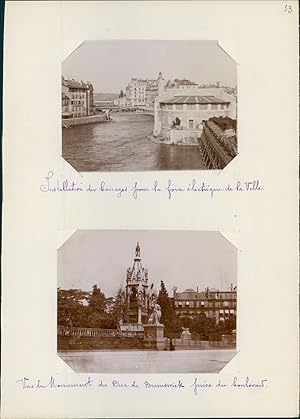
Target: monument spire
pixel 137 289
pixel 138 251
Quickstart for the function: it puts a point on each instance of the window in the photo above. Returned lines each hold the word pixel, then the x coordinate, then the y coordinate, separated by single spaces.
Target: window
pixel 180 303
pixel 214 106
pixel 202 303
pixel 187 303
pixel 202 106
pixel 191 124
pixel 179 107
pixel 191 106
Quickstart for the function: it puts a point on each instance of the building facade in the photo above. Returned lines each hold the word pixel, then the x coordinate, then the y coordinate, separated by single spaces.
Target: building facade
pixel 136 92
pixel 220 305
pixel 179 119
pixel 154 89
pixel 77 98
pixel 142 92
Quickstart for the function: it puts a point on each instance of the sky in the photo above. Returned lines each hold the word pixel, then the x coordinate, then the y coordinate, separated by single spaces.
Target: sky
pixel 109 65
pixel 185 259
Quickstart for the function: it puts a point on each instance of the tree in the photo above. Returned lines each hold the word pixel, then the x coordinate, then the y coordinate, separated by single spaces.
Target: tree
pixel 98 315
pixel 204 326
pixel 72 307
pixel 119 306
pixel 168 315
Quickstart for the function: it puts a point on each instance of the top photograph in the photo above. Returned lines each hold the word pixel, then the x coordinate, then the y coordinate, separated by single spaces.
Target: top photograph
pixel 149 105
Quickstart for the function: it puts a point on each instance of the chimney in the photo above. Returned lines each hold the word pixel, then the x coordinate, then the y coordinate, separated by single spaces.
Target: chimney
pixel 218 84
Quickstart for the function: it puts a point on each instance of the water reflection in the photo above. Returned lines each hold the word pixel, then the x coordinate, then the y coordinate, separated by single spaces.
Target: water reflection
pixel 121 145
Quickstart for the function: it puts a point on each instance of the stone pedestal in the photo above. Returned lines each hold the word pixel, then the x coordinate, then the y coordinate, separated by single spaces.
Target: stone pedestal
pixel 154 335
pixel 186 337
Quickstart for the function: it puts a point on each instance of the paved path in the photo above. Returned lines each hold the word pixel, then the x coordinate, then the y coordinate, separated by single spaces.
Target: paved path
pixel 185 361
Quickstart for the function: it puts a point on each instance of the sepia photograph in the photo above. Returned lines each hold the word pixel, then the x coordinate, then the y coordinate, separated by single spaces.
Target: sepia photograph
pixel 147 301
pixel 149 105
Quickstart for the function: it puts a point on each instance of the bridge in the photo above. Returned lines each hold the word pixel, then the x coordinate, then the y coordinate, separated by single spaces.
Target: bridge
pixel 109 105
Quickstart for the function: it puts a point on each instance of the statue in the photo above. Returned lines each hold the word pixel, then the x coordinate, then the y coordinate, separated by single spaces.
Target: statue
pixel 156 315
pixel 137 250
pixel 186 334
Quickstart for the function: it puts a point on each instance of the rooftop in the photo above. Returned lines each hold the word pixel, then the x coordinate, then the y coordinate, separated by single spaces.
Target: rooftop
pixel 73 84
pixel 180 82
pixel 224 123
pixel 193 100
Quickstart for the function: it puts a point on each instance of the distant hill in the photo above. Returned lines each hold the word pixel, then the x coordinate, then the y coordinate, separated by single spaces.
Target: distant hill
pixel 105 96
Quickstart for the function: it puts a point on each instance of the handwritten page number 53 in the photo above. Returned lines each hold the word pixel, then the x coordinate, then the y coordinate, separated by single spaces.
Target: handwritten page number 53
pixel 288 8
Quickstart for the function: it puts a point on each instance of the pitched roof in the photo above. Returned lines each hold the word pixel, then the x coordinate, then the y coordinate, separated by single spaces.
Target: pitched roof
pixel 193 100
pixel 73 84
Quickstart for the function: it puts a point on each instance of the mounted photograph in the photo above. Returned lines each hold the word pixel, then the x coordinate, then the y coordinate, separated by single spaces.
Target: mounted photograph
pixel 149 105
pixel 147 301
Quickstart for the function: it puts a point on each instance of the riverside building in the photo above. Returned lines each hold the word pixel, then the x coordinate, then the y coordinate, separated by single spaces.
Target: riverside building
pixel 77 98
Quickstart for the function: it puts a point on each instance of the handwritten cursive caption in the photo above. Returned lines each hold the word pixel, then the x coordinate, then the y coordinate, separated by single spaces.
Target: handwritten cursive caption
pixel 196 385
pixel 53 184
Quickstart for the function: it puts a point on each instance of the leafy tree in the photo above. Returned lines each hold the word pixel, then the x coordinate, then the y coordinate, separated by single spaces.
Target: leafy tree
pixel 72 307
pixel 119 306
pixel 77 308
pixel 204 326
pixel 227 326
pixel 98 310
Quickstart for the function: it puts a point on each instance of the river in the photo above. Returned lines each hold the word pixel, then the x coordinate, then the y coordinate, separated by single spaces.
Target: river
pixel 120 145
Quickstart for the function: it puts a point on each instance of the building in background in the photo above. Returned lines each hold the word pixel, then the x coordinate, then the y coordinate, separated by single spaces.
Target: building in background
pixel 142 92
pixel 77 98
pixel 121 102
pixel 180 84
pixel 212 303
pixel 154 89
pixel 135 92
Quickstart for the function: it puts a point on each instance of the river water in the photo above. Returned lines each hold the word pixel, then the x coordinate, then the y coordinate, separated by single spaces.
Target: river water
pixel 120 145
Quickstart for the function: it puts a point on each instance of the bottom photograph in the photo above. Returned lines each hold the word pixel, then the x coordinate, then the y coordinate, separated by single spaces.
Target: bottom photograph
pixel 135 301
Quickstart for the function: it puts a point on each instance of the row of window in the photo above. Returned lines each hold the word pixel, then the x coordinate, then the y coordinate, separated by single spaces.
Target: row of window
pixel 218 313
pixel 191 107
pixel 202 304
pixel 80 90
pixel 77 96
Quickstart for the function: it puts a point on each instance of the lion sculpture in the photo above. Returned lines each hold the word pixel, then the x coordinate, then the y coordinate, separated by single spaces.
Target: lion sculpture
pixel 155 315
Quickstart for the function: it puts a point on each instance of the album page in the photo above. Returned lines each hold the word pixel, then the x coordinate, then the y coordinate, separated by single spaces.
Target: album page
pixel 150 245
